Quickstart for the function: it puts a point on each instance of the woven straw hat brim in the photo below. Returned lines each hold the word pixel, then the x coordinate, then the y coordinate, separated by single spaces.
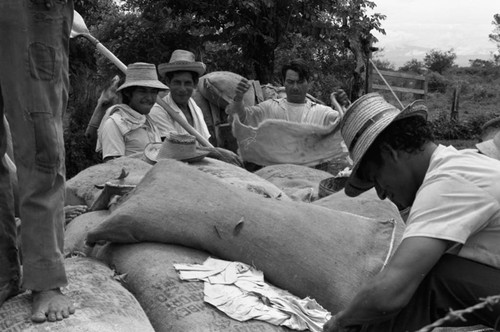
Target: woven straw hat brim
pixel 197 67
pixel 491 147
pixel 147 84
pixel 490 128
pixel 152 149
pixel 356 186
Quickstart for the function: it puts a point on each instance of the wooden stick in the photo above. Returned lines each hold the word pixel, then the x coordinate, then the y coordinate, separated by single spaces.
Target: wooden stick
pixel 383 79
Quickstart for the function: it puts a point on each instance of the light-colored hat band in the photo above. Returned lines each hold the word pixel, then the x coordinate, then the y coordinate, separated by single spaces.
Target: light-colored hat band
pixel 178 146
pixel 365 127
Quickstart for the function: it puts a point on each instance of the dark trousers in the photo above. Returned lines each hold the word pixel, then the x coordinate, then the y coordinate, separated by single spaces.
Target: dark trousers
pixel 454 283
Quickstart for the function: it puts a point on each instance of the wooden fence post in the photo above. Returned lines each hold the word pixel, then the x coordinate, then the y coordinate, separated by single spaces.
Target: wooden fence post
pixel 455 104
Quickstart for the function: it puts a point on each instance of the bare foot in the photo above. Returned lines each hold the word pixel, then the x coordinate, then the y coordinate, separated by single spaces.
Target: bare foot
pixel 51 305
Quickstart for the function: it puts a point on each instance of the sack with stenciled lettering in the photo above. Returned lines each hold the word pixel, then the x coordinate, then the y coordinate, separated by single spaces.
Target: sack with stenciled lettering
pixel 171 304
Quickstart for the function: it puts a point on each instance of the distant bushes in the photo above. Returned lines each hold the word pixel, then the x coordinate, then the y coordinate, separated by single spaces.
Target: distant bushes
pixel 445 128
pixel 437 82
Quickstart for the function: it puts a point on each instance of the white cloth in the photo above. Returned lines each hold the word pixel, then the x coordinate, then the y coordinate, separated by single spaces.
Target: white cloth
pixel 124 131
pixel 459 201
pixel 281 109
pixel 241 292
pixel 166 124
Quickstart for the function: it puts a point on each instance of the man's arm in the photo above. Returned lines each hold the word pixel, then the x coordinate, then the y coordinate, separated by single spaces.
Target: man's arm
pixel 237 105
pixel 393 287
pixel 113 143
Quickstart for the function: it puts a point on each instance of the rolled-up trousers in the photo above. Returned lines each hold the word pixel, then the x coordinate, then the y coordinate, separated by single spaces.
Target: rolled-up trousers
pixel 34 82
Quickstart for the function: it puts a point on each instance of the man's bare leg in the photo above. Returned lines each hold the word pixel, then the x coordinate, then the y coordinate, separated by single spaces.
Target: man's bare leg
pixel 51 305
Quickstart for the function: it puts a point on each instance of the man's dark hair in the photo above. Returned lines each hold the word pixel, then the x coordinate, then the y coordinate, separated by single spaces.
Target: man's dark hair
pixel 194 75
pixel 299 66
pixel 408 134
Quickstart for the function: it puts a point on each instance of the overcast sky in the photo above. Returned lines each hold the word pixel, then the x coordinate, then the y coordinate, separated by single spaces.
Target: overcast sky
pixel 413 27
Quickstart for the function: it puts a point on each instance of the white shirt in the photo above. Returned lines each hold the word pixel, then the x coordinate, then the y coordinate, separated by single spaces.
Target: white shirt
pixel 166 124
pixel 459 201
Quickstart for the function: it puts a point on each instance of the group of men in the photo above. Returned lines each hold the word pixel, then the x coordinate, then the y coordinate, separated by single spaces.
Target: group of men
pixel 128 127
pixel 450 253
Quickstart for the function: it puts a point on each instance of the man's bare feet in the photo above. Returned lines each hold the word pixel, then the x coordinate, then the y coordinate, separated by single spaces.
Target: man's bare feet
pixel 51 305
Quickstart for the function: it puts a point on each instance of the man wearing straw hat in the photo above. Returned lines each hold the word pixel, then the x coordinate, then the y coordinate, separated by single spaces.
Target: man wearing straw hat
pixel 126 128
pixel 181 74
pixel 34 83
pixel 449 257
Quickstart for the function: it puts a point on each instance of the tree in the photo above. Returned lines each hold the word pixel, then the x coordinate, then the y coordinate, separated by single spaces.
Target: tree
pixel 249 36
pixel 413 66
pixel 439 61
pixel 383 64
pixel 495 36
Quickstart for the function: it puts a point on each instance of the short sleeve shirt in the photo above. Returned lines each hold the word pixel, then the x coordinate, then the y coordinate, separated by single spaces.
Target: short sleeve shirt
pixel 459 201
pixel 114 144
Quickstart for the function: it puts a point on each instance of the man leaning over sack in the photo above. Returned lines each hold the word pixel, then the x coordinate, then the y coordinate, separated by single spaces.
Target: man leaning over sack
pixel 181 75
pixel 449 257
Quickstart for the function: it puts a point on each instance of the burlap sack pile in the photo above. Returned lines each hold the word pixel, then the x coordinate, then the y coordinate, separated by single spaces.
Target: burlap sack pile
pixel 76 231
pixel 301 183
pixel 81 189
pixel 240 178
pixel 171 304
pixel 102 304
pixel 306 249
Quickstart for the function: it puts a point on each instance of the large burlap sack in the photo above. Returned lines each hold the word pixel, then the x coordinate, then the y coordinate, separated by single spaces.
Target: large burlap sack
pixel 368 204
pixel 219 88
pixel 306 249
pixel 76 231
pixel 301 183
pixel 240 178
pixel 171 304
pixel 81 189
pixel 275 141
pixel 102 304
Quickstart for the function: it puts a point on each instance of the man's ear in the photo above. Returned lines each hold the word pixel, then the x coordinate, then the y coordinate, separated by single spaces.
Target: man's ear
pixel 388 151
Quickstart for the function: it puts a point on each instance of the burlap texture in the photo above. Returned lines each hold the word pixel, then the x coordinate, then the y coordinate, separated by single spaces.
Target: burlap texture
pixel 81 189
pixel 76 231
pixel 306 249
pixel 240 178
pixel 283 142
pixel 102 304
pixel 171 304
pixel 300 183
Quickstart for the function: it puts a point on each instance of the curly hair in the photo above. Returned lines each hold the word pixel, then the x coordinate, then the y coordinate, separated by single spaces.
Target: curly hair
pixel 299 66
pixel 408 134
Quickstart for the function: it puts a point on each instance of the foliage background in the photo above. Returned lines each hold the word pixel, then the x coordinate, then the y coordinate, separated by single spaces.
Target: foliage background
pixel 254 38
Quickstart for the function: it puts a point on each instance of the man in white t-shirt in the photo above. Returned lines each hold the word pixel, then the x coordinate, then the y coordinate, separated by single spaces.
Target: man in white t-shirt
pixel 450 254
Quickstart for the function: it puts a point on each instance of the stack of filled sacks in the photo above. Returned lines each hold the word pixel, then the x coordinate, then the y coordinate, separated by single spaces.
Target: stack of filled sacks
pixel 306 249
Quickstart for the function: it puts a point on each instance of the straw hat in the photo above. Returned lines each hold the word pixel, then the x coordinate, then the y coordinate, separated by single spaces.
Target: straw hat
pixel 176 146
pixel 182 60
pixel 363 121
pixel 490 129
pixel 142 74
pixel 491 147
